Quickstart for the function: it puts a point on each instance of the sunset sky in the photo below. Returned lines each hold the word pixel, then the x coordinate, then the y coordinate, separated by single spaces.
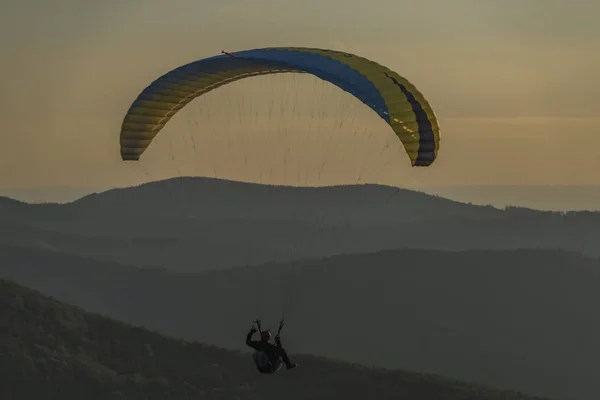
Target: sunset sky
pixel 514 83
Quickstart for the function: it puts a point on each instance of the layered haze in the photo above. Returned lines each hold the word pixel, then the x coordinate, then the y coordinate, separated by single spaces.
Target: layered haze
pixel 195 224
pixel 500 297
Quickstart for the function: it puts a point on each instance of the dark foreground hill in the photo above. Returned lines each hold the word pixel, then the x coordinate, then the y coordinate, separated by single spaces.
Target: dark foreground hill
pixel 525 320
pixel 51 350
pixel 194 224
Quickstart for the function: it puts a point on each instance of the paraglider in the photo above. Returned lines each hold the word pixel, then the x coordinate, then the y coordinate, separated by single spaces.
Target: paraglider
pixel 268 356
pixel 391 96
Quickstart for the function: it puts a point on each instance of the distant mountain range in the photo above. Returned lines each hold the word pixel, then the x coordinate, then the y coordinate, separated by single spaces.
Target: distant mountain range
pixel 522 319
pixel 196 224
pixel 51 350
pixel 542 197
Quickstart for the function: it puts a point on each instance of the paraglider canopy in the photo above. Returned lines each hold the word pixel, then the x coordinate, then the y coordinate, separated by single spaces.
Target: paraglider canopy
pixel 388 94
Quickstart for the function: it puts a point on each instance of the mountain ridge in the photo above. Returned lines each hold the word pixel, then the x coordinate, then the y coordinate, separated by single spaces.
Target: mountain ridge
pixel 53 350
pixel 177 223
pixel 523 319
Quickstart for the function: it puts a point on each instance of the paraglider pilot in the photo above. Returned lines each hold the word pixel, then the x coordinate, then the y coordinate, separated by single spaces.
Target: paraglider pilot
pixel 268 356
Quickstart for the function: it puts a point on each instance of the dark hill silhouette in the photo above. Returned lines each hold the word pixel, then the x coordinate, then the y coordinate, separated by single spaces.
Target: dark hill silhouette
pixel 51 350
pixel 192 224
pixel 523 319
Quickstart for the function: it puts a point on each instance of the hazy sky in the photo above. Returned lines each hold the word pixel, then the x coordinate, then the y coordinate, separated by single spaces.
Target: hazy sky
pixel 514 83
